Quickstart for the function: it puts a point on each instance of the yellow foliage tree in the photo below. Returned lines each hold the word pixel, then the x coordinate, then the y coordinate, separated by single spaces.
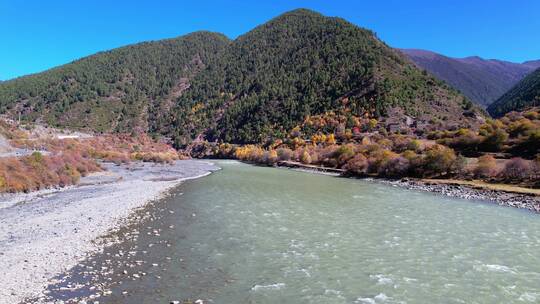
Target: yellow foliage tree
pixel 330 139
pixel 305 158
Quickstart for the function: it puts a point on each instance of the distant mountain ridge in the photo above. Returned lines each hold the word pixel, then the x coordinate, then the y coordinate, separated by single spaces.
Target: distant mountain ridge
pixel 482 80
pixel 535 64
pixel 523 95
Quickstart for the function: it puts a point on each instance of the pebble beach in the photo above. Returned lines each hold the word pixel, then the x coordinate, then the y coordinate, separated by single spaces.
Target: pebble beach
pixel 45 233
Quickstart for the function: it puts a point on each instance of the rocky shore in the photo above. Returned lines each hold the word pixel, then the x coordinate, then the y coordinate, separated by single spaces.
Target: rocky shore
pixel 47 233
pixel 502 198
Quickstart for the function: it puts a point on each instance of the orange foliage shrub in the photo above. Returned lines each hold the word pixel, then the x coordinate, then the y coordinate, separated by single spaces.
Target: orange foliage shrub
pixel 118 148
pixel 155 157
pixel 486 167
pixel 36 171
pixel 439 159
pixel 304 157
pixel 70 158
pixel 250 153
pixel 357 165
pixel 270 157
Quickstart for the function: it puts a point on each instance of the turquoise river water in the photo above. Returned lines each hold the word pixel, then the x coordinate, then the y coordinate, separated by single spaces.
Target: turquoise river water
pixel 249 234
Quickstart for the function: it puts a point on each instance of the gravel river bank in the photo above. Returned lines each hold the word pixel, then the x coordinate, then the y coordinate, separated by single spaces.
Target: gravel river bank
pixel 48 232
pixel 502 198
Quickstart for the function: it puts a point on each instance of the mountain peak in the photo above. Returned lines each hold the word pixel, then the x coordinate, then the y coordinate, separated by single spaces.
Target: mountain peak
pixel 305 15
pixel 301 12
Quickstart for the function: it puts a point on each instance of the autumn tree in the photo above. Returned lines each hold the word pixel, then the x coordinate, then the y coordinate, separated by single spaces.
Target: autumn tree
pixel 486 167
pixel 439 159
pixel 357 165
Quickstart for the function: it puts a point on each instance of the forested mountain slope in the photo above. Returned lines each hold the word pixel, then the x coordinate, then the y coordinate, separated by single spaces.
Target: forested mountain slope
pixel 482 80
pixel 524 95
pixel 300 64
pixel 251 89
pixel 115 90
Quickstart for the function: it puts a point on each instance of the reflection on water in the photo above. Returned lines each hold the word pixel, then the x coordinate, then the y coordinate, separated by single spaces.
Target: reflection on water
pixel 262 235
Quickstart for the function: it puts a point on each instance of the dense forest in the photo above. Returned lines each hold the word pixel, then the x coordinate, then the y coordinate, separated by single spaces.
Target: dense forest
pixel 115 90
pixel 525 94
pixel 249 90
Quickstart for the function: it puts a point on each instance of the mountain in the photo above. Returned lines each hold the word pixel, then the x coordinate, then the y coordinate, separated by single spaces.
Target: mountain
pixel 525 94
pixel 248 90
pixel 534 64
pixel 482 80
pixel 117 90
pixel 300 64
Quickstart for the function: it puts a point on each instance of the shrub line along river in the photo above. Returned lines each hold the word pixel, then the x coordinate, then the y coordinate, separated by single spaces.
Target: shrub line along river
pixel 250 234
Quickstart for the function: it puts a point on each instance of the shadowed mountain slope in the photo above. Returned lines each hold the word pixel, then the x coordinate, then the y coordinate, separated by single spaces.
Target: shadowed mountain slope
pixel 524 95
pixel 483 81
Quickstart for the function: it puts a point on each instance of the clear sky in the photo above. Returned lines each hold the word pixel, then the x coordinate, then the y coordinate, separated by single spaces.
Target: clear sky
pixel 36 34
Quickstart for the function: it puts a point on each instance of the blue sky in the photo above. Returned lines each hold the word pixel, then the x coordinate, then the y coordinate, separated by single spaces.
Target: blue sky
pixel 37 35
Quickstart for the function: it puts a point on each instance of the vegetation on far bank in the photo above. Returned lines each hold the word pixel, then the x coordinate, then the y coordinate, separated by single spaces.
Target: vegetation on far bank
pixel 505 150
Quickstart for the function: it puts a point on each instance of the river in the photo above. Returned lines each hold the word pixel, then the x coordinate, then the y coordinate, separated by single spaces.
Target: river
pixel 249 234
